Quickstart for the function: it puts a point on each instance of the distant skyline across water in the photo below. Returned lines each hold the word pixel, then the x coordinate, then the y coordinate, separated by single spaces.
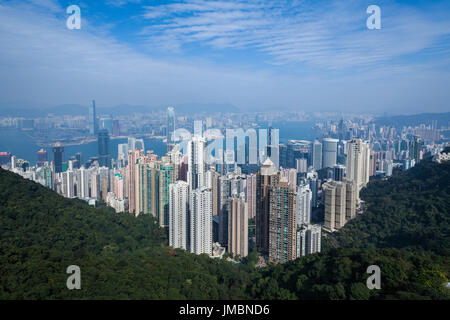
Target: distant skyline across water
pixel 23 146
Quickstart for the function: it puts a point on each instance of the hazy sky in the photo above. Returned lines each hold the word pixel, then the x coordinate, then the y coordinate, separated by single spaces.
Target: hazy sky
pixel 255 54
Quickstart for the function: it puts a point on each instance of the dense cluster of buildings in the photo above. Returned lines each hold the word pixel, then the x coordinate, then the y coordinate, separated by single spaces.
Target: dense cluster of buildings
pixel 206 201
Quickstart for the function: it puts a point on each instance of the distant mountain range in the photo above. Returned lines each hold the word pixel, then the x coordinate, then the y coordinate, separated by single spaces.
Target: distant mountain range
pixel 124 109
pixel 443 119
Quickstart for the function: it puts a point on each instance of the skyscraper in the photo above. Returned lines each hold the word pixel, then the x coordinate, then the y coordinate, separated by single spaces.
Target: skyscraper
pixel 313 243
pixel 166 177
pixel 41 157
pixel 92 119
pixel 224 195
pixel 44 174
pixel 212 181
pixel 340 203
pixel 133 155
pixel 115 128
pixel 196 162
pixel 284 156
pixel 329 152
pixel 179 215
pixel 282 223
pixel 106 122
pixel 122 154
pixel 273 151
pixel 139 144
pixel 304 204
pixel 58 157
pixel 230 185
pixel 238 226
pixel 170 127
pixel 329 195
pixel 79 159
pixel 301 165
pixel 265 178
pixel 291 177
pixel 5 158
pixel 83 182
pixel 251 195
pixel 68 184
pixel 200 205
pixel 131 143
pixel 351 195
pixel 339 172
pixel 147 187
pixel 104 159
pixel 358 162
pixel 311 178
pixel 415 145
pixel 317 155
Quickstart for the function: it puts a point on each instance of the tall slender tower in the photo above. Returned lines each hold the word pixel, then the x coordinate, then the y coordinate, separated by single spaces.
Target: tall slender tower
pixel 350 200
pixel 196 162
pixel 178 215
pixel 58 157
pixel 415 145
pixel 317 155
pixel 201 221
pixel 166 178
pixel 304 204
pixel 146 187
pixel 92 119
pixel 170 127
pixel 133 156
pixel 266 177
pixel 41 157
pixel 104 159
pixel 251 195
pixel 238 226
pixel 358 162
pixel 282 223
pixel 329 194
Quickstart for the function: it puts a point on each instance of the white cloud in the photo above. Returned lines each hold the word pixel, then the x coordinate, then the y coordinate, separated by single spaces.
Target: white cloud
pixel 332 34
pixel 120 3
pixel 51 5
pixel 42 61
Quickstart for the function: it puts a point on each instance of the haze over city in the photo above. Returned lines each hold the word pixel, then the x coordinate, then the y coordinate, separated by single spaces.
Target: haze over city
pixel 254 55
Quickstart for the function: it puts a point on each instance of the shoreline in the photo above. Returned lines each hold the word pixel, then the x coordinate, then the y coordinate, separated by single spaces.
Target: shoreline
pixel 83 141
pixel 86 141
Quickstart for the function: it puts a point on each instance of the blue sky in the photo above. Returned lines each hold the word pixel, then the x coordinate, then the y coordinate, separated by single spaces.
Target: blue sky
pixel 254 54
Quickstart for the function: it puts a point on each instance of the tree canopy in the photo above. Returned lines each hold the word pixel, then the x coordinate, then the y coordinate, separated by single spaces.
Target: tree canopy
pixel 404 231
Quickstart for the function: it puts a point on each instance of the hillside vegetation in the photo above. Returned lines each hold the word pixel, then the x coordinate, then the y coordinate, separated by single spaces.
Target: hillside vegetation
pixel 123 257
pixel 410 210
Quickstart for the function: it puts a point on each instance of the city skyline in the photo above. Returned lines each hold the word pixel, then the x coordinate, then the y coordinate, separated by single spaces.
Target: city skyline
pixel 268 212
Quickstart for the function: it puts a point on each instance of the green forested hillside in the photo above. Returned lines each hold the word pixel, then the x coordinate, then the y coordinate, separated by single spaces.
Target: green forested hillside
pixel 120 256
pixel 341 274
pixel 123 257
pixel 409 210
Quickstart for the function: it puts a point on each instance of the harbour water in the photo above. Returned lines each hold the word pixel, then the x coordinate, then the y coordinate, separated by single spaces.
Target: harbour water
pixel 23 146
